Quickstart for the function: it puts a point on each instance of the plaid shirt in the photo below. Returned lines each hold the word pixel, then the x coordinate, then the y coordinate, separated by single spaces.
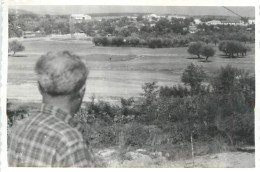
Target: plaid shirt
pixel 48 139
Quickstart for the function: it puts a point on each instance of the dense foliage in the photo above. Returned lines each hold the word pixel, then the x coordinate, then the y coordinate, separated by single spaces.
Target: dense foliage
pixel 233 47
pixel 125 31
pixel 217 107
pixel 15 46
pixel 207 51
pixel 199 48
pixel 137 42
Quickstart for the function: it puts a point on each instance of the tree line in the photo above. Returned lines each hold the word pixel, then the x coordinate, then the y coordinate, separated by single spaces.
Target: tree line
pixel 230 48
pixel 136 42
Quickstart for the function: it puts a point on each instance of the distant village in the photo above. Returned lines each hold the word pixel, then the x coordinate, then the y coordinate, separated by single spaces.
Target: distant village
pixel 72 24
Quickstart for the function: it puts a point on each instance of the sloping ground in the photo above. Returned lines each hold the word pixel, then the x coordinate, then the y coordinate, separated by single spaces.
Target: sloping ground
pixel 143 158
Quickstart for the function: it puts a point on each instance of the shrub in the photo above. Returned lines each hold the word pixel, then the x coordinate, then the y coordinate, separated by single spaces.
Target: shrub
pixel 99 40
pixel 231 90
pixel 133 41
pixel 193 76
pixel 175 91
pixel 15 46
pixel 244 128
pixel 118 41
pixel 16 113
pixel 107 135
pixel 155 43
pixel 135 134
pixel 150 92
pixel 166 43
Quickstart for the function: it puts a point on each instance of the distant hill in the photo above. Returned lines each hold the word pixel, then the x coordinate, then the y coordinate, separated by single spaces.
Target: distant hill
pixel 219 17
pixel 115 14
pixel 14 11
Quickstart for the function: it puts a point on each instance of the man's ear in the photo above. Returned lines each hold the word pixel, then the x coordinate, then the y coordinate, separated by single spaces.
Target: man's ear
pixel 82 90
pixel 40 89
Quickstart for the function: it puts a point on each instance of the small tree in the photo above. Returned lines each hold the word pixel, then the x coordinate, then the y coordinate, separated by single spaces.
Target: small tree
pixel 150 92
pixel 15 46
pixel 193 76
pixel 215 41
pixel 195 48
pixel 207 51
pixel 97 41
pixel 222 47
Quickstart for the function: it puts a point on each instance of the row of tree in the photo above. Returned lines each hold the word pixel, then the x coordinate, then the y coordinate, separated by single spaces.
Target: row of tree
pixel 233 47
pixel 47 24
pixel 136 42
pixel 228 47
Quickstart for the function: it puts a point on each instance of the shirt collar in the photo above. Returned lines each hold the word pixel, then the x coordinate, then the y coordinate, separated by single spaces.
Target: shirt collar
pixel 63 116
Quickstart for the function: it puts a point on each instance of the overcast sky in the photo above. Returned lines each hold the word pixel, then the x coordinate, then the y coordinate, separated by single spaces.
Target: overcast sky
pixel 191 10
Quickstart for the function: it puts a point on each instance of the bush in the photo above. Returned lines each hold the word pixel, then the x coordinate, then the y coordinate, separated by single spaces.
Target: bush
pixel 118 41
pixel 107 135
pixel 100 41
pixel 16 113
pixel 244 128
pixel 166 43
pixel 135 134
pixel 154 43
pixel 193 76
pixel 15 46
pixel 175 91
pixel 231 90
pixel 133 41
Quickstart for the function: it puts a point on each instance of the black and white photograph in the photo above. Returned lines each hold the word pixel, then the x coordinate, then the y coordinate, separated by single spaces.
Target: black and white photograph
pixel 123 86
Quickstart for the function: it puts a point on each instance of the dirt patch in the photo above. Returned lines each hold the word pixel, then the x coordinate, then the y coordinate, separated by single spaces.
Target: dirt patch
pixel 112 157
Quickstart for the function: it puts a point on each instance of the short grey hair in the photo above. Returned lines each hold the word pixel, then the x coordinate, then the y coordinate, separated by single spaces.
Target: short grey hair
pixel 60 73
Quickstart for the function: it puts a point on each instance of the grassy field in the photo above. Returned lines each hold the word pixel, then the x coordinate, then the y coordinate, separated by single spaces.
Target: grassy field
pixel 114 71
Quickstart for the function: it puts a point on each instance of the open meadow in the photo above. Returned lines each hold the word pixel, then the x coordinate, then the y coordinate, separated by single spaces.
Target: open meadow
pixel 114 71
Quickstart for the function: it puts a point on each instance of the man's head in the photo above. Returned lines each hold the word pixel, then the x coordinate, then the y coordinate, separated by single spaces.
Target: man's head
pixel 62 76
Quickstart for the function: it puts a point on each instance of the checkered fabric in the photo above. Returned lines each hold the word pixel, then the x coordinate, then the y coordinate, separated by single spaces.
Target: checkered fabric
pixel 49 138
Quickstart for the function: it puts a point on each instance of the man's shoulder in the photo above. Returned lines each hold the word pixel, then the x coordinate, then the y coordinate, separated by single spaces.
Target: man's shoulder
pixel 50 125
pixel 66 132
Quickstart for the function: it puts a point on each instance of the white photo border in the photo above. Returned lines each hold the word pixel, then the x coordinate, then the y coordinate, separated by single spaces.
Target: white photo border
pixel 4 63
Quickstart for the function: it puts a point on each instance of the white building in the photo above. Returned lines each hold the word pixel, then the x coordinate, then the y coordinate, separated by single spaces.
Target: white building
pixel 79 17
pixel 213 22
pixel 234 22
pixel 176 17
pixel 193 29
pixel 151 17
pixel 251 21
pixel 197 21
